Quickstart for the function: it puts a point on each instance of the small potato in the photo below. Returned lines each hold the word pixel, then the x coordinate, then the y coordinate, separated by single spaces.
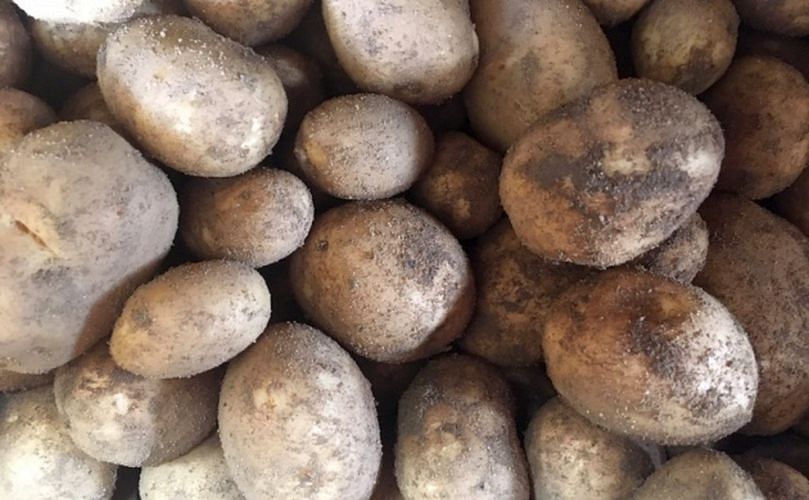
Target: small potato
pixel 250 22
pixel 700 474
pixel 457 437
pixel 460 188
pixel 758 267
pixel 13 382
pixel 682 255
pixel 685 43
pixel 259 217
pixel 16 54
pixel 297 419
pixel 363 146
pixel 200 474
pixel 763 105
pixel 571 458
pixel 791 202
pixel 200 103
pixel 534 57
pixel 786 17
pixel 191 319
pixel 650 358
pixel 84 11
pixel 121 418
pixel 38 460
pixel 385 279
pixel 776 480
pixel 20 113
pixel 88 104
pixel 612 12
pixel 604 179
pixel 376 46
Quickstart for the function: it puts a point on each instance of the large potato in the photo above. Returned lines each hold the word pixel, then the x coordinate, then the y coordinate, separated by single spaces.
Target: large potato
pixel 195 100
pixel 791 202
pixel 682 255
pixel 606 178
pixel 612 12
pixel 758 267
pixel 297 419
pixel 787 17
pixel 650 358
pixel 534 57
pixel 20 113
pixel 251 22
pixel 15 47
pixel 83 221
pixel 776 480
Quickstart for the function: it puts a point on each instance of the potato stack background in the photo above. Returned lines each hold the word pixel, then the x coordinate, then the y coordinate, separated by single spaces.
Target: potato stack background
pixel 404 249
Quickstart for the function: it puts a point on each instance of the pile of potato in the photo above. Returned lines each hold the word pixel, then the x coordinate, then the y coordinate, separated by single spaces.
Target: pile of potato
pixel 404 249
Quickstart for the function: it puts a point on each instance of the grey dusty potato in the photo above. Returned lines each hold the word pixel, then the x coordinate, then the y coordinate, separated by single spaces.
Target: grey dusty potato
pixel 16 54
pixel 787 17
pixel 251 22
pixel 20 113
pixel 776 480
pixel 682 255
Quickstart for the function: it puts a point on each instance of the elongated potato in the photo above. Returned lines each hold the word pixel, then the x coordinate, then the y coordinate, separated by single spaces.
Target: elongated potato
pixel 251 22
pixel 87 103
pixel 20 113
pixel 682 255
pixel 13 382
pixel 16 55
pixel 791 202
pixel 297 419
pixel 612 12
pixel 787 17
pixel 776 480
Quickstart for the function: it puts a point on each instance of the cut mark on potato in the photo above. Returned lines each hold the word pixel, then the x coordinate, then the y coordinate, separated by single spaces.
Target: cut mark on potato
pixel 23 228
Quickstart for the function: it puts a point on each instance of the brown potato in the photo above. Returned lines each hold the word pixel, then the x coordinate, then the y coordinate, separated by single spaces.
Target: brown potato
pixel 612 12
pixel 13 382
pixel 16 54
pixel 791 202
pixel 460 187
pixel 763 105
pixel 20 113
pixel 385 279
pixel 651 358
pixel 534 57
pixel 682 255
pixel 758 267
pixel 363 146
pixel 776 480
pixel 606 178
pixel 786 17
pixel 250 22
pixel 88 104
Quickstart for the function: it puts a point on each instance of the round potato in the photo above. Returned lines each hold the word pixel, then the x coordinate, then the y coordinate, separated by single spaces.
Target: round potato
pixel 259 217
pixel 571 458
pixel 776 480
pixel 787 17
pixel 758 267
pixel 363 146
pixel 297 419
pixel 20 113
pixel 122 418
pixel 685 43
pixel 791 202
pixel 87 103
pixel 250 22
pixel 460 188
pixel 375 45
pixel 16 54
pixel 200 103
pixel 38 460
pixel 604 179
pixel 84 220
pixel 13 382
pixel 457 437
pixel 385 279
pixel 612 12
pixel 651 358
pixel 534 57
pixel 682 255
pixel 763 105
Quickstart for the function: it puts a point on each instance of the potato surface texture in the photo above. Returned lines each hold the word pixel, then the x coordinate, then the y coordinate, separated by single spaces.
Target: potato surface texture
pixel 251 22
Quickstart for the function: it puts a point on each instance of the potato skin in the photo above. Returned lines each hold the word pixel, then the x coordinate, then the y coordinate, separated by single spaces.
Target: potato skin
pixel 297 419
pixel 385 279
pixel 763 105
pixel 786 17
pixel 87 103
pixel 682 256
pixel 776 480
pixel 791 203
pixel 84 220
pixel 20 113
pixel 534 57
pixel 259 217
pixel 651 358
pixel 571 458
pixel 200 103
pixel 757 266
pixel 251 22
pixel 612 12
pixel 13 382
pixel 602 180
pixel 16 56
pixel 35 441
pixel 457 436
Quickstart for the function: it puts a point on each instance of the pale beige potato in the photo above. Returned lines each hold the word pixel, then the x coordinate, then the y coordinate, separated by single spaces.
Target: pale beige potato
pixel 612 12
pixel 385 279
pixel 14 382
pixel 38 460
pixel 786 17
pixel 250 22
pixel 791 203
pixel 610 176
pixel 776 480
pixel 297 419
pixel 682 256
pixel 534 57
pixel 84 220
pixel 197 101
pixel 87 103
pixel 20 113
pixel 15 47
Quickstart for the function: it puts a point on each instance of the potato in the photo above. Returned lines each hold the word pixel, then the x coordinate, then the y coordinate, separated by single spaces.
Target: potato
pixel 460 188
pixel 38 461
pixel 700 474
pixel 88 104
pixel 13 382
pixel 515 289
pixel 375 45
pixel 650 358
pixel 191 319
pixel 20 113
pixel 297 419
pixel 384 279
pixel 612 12
pixel 16 54
pixel 200 474
pixel 763 105
pixel 682 255
pixel 786 17
pixel 200 103
pixel 122 418
pixel 534 57
pixel 84 220
pixel 363 146
pixel 758 267
pixel 792 51
pixel 791 202
pixel 82 11
pixel 259 217
pixel 457 437
pixel 776 480
pixel 604 179
pixel 571 458
pixel 685 43
pixel 250 22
